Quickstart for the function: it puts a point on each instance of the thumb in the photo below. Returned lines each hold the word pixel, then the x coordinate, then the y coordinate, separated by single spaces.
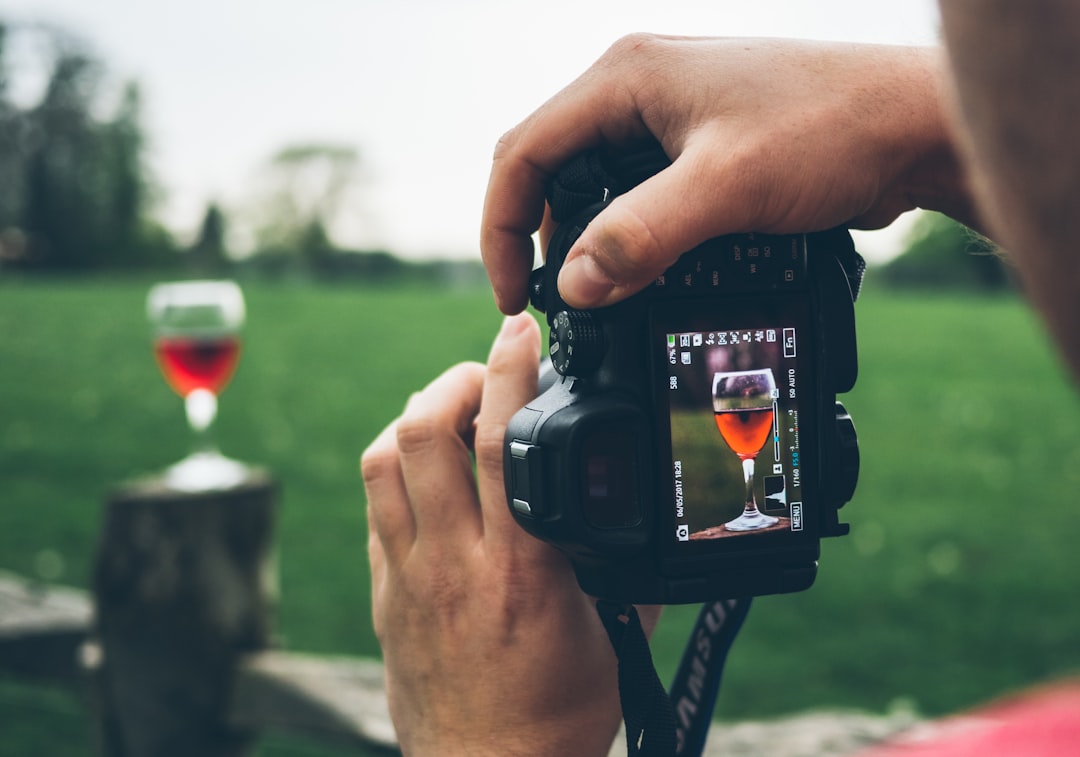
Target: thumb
pixel 640 234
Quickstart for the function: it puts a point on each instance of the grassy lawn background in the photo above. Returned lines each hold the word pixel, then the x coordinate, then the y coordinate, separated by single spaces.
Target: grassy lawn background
pixel 958 581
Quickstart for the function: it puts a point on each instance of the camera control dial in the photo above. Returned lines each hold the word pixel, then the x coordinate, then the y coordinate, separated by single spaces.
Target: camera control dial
pixel 847 467
pixel 576 343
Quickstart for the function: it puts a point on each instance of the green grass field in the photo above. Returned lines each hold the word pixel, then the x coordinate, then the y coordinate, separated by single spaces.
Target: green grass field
pixel 958 582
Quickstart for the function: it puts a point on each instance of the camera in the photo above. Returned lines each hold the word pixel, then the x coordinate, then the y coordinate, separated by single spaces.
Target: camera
pixel 687 444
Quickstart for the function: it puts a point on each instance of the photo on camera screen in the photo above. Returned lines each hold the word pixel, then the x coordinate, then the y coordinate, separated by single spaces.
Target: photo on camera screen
pixel 732 401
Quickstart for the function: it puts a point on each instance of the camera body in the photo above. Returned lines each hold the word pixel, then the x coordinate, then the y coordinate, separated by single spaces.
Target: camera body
pixel 624 462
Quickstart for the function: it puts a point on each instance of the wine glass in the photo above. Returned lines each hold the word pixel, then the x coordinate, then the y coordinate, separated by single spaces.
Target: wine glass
pixel 743 407
pixel 196 328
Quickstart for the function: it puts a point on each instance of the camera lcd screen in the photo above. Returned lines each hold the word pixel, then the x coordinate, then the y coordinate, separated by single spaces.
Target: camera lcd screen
pixel 731 389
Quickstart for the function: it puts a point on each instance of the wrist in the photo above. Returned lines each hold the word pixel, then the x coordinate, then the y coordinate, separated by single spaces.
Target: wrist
pixel 936 177
pixel 489 745
pixel 588 734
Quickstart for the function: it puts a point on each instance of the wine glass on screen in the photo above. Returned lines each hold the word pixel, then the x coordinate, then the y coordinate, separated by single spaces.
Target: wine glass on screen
pixel 743 407
pixel 196 328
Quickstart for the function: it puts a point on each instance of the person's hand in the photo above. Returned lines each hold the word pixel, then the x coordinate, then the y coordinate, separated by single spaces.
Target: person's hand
pixel 489 644
pixel 775 136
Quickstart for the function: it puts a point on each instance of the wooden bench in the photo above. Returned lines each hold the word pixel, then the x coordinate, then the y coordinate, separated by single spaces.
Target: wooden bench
pixel 46 634
pixel 174 643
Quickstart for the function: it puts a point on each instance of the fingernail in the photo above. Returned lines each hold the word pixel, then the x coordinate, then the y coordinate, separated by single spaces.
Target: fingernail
pixel 510 333
pixel 582 283
pixel 513 325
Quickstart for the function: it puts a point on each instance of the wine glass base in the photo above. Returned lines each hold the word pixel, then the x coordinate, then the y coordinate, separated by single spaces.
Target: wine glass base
pixel 751 522
pixel 205 471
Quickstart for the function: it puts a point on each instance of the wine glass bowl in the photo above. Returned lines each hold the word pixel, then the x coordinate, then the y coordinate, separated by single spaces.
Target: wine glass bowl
pixel 196 327
pixel 743 408
pixel 191 363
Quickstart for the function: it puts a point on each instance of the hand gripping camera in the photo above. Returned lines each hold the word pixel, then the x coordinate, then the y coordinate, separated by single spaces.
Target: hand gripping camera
pixel 689 445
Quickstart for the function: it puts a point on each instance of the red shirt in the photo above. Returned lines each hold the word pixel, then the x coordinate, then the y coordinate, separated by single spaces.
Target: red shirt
pixel 1042 722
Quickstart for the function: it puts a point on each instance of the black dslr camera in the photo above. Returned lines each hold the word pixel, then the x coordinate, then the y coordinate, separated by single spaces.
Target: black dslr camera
pixel 690 446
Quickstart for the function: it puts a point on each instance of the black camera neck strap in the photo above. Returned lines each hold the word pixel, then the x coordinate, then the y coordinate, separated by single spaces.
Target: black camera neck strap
pixel 647 710
pixel 676 723
pixel 697 679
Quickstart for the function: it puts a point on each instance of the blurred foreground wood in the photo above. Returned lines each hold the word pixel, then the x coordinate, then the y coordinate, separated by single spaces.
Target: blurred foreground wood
pixel 174 644
pixel 46 634
pixel 42 628
pixel 335 700
pixel 341 701
pixel 183 586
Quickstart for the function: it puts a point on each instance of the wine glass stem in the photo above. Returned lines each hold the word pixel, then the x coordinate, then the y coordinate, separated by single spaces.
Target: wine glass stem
pixel 201 408
pixel 748 475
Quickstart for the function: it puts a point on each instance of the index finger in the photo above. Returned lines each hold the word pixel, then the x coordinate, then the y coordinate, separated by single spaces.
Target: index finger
pixel 513 209
pixel 585 114
pixel 511 383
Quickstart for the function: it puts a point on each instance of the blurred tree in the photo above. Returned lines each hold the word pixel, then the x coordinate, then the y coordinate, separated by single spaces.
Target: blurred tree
pixel 306 187
pixel 941 254
pixel 124 177
pixel 61 219
pixel 78 193
pixel 208 256
pixel 9 139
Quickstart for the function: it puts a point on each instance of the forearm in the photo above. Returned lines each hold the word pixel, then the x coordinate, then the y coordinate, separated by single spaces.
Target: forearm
pixel 1016 69
pixel 937 178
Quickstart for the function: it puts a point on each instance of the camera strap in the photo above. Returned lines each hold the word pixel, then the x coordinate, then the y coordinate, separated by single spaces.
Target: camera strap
pixel 697 680
pixel 646 707
pixel 676 723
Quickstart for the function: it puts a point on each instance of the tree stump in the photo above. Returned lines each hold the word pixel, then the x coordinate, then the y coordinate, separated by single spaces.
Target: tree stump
pixel 183 585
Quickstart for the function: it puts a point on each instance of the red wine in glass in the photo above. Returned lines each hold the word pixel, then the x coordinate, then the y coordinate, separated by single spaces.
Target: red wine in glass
pixel 191 363
pixel 743 410
pixel 745 431
pixel 197 345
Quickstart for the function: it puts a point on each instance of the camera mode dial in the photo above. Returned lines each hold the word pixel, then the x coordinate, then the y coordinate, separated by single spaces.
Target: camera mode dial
pixel 576 343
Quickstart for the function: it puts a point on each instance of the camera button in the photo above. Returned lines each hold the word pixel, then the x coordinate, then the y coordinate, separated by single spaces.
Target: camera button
pixel 847 453
pixel 524 477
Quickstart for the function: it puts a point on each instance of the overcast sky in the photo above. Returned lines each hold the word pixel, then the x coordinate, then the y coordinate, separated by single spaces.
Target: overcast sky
pixel 422 88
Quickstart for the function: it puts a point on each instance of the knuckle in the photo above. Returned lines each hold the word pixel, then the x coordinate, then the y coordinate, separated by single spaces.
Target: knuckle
pixel 377 464
pixel 417 434
pixel 515 155
pixel 506 144
pixel 488 446
pixel 635 64
pixel 633 45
